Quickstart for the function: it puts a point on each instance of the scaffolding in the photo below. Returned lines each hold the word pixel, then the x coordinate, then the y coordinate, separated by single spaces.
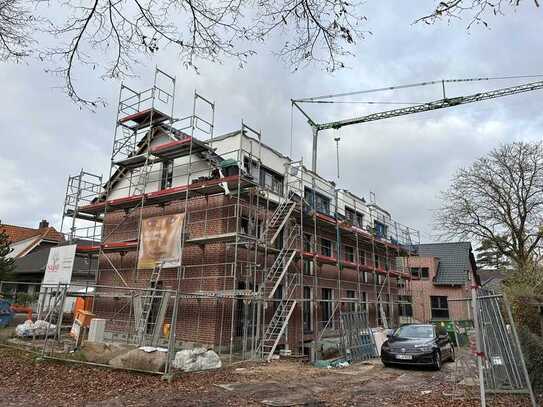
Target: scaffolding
pixel 262 268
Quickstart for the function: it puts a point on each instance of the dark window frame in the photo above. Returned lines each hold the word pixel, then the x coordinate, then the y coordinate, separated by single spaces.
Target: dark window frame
pixel 327 304
pixel 307 319
pixel 354 217
pixel 166 174
pixel 349 253
pixel 322 202
pixel 326 250
pixel 351 305
pixel 439 307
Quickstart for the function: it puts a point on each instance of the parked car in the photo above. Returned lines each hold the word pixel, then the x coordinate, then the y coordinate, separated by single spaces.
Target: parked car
pixel 418 344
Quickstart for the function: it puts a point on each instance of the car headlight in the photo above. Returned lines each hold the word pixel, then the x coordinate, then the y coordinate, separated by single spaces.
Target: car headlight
pixel 424 348
pixel 385 347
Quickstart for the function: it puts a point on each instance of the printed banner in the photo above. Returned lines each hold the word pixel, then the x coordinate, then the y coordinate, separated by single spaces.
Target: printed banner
pixel 160 241
pixel 60 265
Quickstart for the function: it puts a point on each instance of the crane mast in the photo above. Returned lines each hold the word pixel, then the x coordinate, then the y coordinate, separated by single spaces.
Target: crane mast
pixel 403 111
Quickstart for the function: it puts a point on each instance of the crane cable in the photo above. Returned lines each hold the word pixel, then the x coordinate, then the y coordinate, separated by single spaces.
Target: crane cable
pixel 318 99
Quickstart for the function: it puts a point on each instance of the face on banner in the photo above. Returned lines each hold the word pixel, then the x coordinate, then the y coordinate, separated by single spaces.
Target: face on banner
pixel 160 240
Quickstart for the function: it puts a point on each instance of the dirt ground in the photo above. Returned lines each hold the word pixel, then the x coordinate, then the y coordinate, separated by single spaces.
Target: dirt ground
pixel 24 381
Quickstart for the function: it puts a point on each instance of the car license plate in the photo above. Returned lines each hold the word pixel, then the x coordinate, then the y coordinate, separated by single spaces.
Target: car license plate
pixel 404 357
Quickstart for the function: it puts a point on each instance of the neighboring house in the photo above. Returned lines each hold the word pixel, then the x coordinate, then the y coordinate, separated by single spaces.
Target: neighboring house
pixel 441 273
pixel 25 241
pixel 492 279
pixel 30 249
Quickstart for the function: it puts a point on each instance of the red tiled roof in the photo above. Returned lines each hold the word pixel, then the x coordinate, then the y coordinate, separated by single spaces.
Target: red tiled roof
pixel 18 233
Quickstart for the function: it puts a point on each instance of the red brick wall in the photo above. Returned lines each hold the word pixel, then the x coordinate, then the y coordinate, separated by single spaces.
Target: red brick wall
pixel 209 321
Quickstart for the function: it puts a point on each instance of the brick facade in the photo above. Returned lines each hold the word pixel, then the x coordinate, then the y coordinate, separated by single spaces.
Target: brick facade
pixel 424 288
pixel 219 265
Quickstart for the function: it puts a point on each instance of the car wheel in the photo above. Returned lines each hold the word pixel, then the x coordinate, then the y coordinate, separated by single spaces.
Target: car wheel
pixel 437 360
pixel 385 364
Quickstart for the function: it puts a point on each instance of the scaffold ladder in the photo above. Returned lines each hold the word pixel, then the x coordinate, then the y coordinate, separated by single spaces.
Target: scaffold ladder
pixel 278 220
pixel 279 322
pixel 279 268
pixel 147 304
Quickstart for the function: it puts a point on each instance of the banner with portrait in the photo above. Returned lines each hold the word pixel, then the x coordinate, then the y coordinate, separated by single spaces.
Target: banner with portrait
pixel 160 241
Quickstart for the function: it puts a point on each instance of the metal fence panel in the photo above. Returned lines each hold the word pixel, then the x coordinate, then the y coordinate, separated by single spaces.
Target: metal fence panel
pixel 357 336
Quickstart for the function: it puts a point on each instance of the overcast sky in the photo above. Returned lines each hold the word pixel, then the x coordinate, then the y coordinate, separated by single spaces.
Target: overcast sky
pixel 406 161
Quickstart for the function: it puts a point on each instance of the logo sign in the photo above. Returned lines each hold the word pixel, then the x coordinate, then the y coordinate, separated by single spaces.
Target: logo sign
pixel 60 265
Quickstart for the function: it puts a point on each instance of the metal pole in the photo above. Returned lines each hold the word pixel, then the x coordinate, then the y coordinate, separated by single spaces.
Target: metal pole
pixel 337 154
pixel 314 153
pixel 475 305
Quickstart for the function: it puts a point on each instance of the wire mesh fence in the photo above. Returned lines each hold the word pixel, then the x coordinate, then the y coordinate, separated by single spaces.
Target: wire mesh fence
pixel 162 331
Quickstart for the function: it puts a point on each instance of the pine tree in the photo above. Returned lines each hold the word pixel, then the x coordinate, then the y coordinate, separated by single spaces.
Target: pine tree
pixel 490 258
pixel 6 263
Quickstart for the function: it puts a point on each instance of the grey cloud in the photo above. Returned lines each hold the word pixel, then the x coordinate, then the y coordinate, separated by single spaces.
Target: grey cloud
pixel 405 161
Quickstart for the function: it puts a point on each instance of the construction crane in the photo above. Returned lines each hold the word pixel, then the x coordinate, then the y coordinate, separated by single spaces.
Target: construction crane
pixel 442 103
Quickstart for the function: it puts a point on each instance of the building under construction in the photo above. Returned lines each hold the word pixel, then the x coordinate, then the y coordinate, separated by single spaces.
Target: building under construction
pixel 266 253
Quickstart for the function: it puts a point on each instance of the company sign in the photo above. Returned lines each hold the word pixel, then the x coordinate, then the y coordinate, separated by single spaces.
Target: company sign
pixel 60 265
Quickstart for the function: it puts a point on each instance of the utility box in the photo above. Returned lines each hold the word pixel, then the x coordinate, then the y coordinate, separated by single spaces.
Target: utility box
pixel 97 330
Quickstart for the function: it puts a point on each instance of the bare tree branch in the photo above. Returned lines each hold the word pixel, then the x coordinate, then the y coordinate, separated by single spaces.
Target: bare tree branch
pixel 15 30
pixel 498 199
pixel 476 11
pixel 317 32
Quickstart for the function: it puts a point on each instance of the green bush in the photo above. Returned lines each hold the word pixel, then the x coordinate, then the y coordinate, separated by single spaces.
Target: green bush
pixel 532 348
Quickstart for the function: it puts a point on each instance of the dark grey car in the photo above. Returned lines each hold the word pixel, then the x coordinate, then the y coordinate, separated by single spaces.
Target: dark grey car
pixel 418 344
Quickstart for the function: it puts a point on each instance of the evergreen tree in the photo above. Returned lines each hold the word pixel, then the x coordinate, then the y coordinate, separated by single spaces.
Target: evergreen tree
pixel 489 257
pixel 6 263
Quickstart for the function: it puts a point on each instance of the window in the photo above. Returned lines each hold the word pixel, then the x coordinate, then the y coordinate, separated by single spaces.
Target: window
pixel 365 277
pixel 307 243
pixel 166 177
pixel 326 247
pixel 308 267
pixel 364 300
pixel 420 273
pixel 354 217
pixel 406 307
pixel 401 282
pixel 271 180
pixel 250 167
pixel 440 307
pixel 380 229
pixel 349 253
pixel 424 273
pixel 362 257
pixel 307 317
pixel 244 226
pixel 317 201
pixel 327 305
pixel 351 305
pixel 376 259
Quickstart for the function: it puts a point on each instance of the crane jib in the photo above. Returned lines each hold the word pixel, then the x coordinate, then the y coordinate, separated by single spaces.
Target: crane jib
pixel 434 105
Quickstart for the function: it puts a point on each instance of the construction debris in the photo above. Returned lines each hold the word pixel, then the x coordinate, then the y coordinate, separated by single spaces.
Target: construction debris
pixel 192 360
pixel 140 360
pixel 39 328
